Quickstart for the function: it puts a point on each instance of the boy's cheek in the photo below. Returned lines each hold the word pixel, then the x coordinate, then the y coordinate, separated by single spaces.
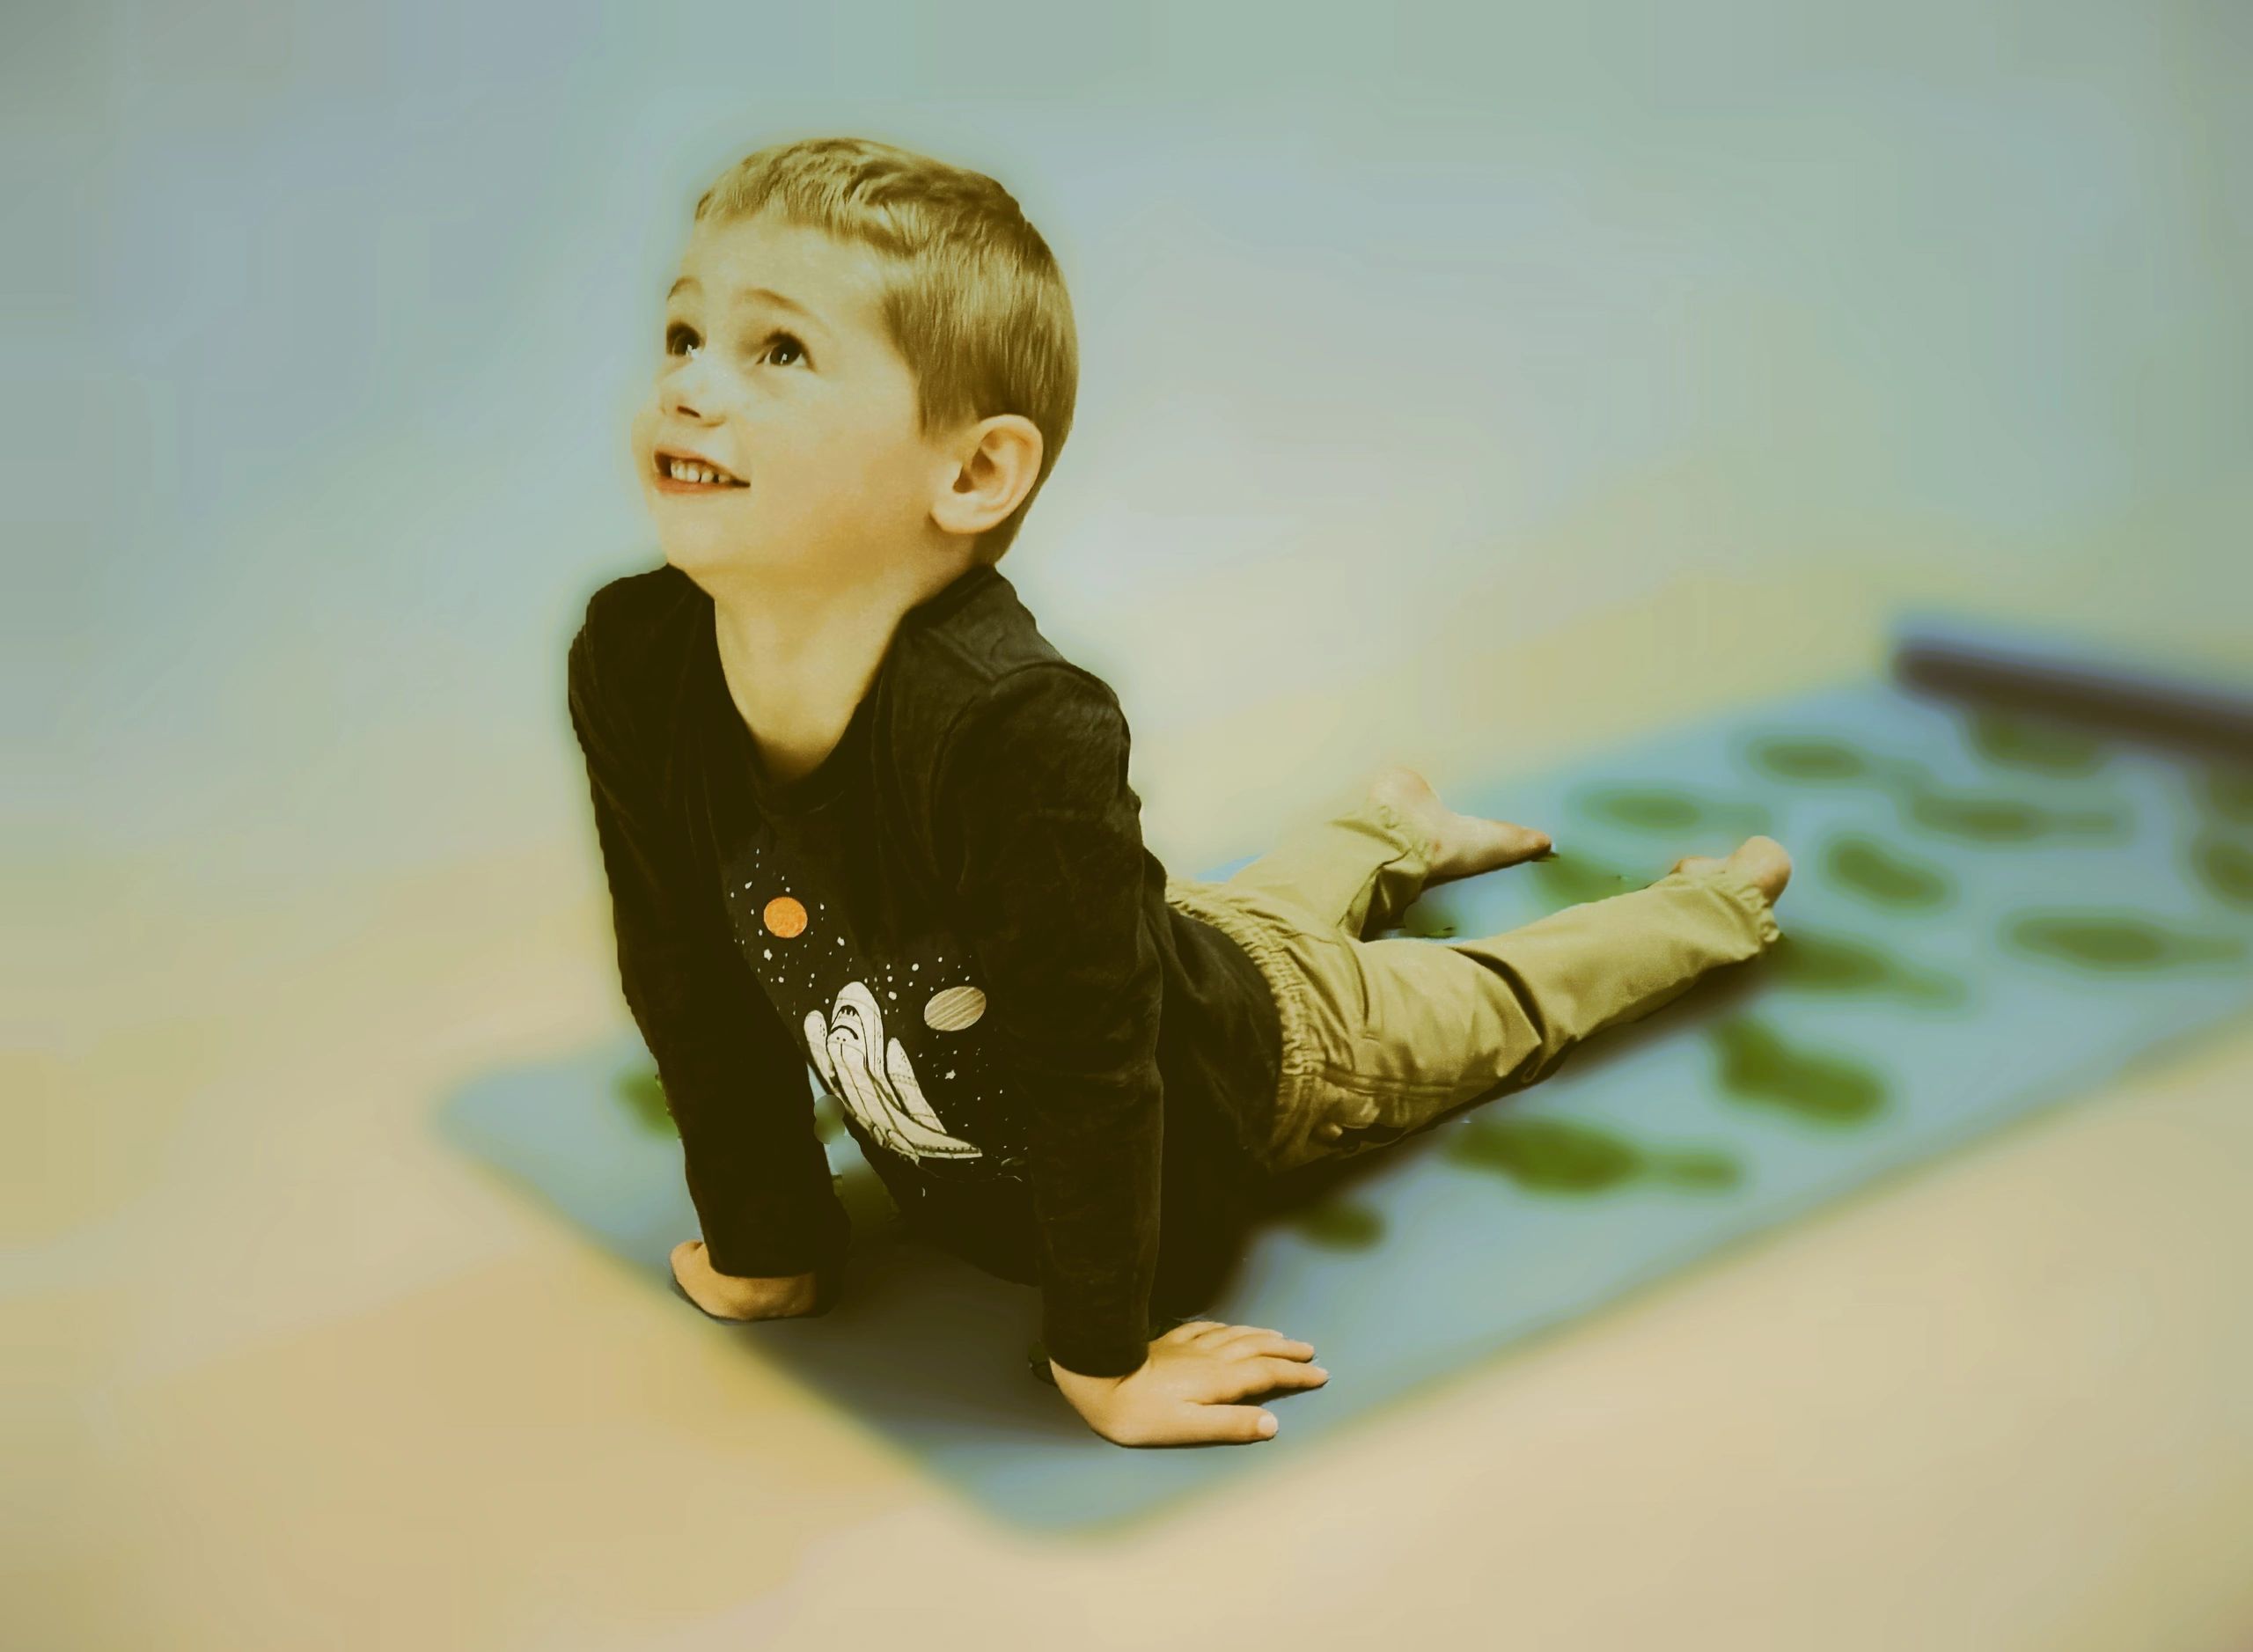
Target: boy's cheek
pixel 641 437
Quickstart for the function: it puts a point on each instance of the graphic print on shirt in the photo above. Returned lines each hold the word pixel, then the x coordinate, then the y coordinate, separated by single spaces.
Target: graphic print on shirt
pixel 890 1025
pixel 883 1095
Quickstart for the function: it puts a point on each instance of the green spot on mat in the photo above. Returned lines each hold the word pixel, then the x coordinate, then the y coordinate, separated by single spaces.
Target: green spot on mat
pixel 644 1097
pixel 828 1118
pixel 1703 1168
pixel 1548 1155
pixel 1818 759
pixel 2115 941
pixel 1671 809
pixel 1757 1067
pixel 1556 1156
pixel 2227 793
pixel 2225 866
pixel 865 1197
pixel 1428 925
pixel 1877 872
pixel 2016 742
pixel 1572 879
pixel 1973 818
pixel 1808 758
pixel 1815 961
pixel 1340 1224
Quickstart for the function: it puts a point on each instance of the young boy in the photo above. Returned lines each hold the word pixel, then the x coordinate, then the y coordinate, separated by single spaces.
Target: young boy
pixel 854 808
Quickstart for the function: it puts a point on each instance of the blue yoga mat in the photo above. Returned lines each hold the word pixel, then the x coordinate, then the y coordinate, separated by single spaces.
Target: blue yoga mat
pixel 2008 884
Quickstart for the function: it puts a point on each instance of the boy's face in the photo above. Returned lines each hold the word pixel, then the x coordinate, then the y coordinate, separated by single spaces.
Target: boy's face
pixel 812 408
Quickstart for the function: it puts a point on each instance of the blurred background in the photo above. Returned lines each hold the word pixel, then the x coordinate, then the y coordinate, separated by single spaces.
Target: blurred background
pixel 1460 385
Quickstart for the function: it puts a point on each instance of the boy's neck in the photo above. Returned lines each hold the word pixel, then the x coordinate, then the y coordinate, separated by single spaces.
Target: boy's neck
pixel 797 667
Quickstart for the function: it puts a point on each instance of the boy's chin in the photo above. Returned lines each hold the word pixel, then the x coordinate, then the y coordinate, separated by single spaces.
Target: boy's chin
pixel 691 551
pixel 713 553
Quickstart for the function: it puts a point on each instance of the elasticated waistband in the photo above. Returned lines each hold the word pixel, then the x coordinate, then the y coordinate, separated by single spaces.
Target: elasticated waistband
pixel 1301 1062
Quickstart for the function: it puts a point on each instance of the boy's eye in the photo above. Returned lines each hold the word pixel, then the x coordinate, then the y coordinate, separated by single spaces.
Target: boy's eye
pixel 681 337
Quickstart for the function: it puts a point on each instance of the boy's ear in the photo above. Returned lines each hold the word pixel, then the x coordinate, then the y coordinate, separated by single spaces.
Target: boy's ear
pixel 999 461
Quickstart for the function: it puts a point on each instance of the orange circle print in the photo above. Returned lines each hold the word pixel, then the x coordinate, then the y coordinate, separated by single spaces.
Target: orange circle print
pixel 785 916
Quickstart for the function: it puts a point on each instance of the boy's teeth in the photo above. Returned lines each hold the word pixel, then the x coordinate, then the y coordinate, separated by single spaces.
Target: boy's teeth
pixel 681 470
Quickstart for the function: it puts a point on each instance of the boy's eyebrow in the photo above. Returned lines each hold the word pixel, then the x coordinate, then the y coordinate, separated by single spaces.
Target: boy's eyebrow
pixel 748 295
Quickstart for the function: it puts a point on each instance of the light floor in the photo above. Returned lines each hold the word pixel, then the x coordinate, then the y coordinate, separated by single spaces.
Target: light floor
pixel 283 1371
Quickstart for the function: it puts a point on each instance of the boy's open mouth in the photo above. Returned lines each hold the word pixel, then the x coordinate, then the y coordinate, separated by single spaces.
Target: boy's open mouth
pixel 676 473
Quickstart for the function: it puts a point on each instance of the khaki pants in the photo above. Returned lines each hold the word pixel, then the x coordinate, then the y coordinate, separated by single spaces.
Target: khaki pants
pixel 1380 1038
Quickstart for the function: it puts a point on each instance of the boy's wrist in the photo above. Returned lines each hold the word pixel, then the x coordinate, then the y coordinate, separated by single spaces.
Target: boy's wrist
pixel 1089 1396
pixel 771 1295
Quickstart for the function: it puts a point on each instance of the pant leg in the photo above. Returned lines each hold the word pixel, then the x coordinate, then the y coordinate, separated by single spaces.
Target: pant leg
pixel 1382 1037
pixel 1364 864
pixel 1295 911
pixel 1442 1023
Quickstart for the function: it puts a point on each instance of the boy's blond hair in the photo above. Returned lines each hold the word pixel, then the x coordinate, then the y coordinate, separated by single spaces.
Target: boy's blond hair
pixel 971 295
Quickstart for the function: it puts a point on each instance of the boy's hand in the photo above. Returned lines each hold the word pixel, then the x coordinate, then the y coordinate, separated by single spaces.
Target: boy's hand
pixel 1179 1395
pixel 726 1296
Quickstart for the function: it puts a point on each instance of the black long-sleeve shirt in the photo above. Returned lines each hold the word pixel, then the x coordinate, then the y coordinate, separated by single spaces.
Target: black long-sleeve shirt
pixel 954 916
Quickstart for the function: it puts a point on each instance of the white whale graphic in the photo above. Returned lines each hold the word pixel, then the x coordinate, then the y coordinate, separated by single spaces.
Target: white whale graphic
pixel 884 1095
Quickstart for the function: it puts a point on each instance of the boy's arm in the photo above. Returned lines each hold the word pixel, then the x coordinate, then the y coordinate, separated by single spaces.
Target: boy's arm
pixel 734 1080
pixel 1043 835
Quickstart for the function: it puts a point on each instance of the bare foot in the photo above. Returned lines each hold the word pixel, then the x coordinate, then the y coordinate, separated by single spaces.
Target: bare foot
pixel 1463 844
pixel 1760 859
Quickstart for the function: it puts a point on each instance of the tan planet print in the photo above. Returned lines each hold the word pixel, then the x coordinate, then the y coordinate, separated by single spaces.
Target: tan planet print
pixel 954 1009
pixel 785 916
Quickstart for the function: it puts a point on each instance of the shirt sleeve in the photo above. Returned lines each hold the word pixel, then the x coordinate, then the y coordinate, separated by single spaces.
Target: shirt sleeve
pixel 1043 833
pixel 735 1081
